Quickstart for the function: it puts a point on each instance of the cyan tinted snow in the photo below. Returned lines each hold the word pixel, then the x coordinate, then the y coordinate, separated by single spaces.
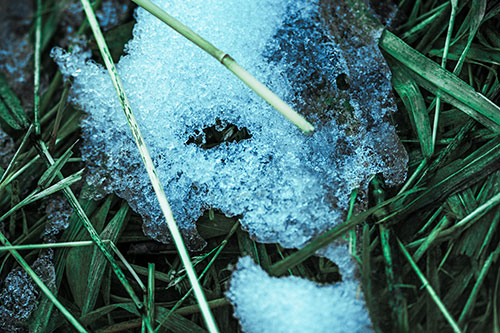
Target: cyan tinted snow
pixel 292 304
pixel 321 57
pixel 288 186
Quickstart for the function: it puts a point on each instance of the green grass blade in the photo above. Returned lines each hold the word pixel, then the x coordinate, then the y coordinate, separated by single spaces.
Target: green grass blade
pixel 155 181
pixel 60 185
pixel 42 285
pixel 52 172
pixel 429 289
pixel 73 201
pixel 10 108
pixel 477 12
pixel 98 262
pixel 326 238
pixel 493 257
pixel 230 64
pixel 437 76
pixel 36 76
pixel 16 155
pixel 151 294
pixel 414 102
pixel 454 4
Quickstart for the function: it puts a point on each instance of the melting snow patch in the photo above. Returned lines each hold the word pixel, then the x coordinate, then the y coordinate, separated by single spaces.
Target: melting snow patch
pixel 291 304
pixel 289 187
pixel 320 56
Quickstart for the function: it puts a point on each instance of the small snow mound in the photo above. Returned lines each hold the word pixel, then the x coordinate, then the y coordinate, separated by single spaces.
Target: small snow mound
pixel 292 304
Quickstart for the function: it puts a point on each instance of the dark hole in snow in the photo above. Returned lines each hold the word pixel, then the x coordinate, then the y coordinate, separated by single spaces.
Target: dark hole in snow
pixel 342 82
pixel 211 137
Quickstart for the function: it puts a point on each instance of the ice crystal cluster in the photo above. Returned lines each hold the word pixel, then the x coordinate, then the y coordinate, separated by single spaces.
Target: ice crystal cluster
pixel 19 295
pixel 58 212
pixel 287 186
pixel 292 304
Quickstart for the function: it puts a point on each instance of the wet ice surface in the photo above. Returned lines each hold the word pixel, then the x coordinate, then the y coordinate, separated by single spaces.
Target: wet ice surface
pixel 288 186
pixel 291 304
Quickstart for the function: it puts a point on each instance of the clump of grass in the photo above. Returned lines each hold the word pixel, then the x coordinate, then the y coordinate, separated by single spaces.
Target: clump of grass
pixel 427 252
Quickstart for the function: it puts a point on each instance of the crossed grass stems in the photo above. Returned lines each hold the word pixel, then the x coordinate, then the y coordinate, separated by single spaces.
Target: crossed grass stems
pixel 446 86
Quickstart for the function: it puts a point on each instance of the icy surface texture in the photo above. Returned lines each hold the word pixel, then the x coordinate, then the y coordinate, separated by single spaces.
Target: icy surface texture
pixel 58 212
pixel 19 296
pixel 292 304
pixel 16 49
pixel 289 187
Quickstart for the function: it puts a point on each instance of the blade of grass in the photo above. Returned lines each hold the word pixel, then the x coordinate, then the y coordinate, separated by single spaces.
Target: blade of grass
pixel 469 305
pixel 48 176
pixel 429 289
pixel 98 261
pixel 36 76
pixel 151 294
pixel 42 285
pixel 13 104
pixel 151 170
pixel 480 106
pixel 230 64
pixel 82 216
pixel 16 155
pixel 57 123
pixel 326 238
pixel 477 12
pixel 205 270
pixel 37 195
pixel 414 102
pixel 454 4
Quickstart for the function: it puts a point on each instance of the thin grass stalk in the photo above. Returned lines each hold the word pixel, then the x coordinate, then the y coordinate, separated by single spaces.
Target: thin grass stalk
pixel 205 270
pixel 47 245
pixel 73 201
pixel 78 244
pixel 329 236
pixel 469 305
pixel 57 123
pixel 38 42
pixel 25 167
pixel 472 217
pixel 414 176
pixel 429 289
pixel 151 294
pixel 43 287
pixel 151 170
pixel 454 4
pixel 16 154
pixel 127 265
pixel 265 93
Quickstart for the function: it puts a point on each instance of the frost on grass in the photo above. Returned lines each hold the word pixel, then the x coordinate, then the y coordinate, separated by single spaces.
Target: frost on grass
pixel 289 187
pixel 291 304
pixel 19 295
